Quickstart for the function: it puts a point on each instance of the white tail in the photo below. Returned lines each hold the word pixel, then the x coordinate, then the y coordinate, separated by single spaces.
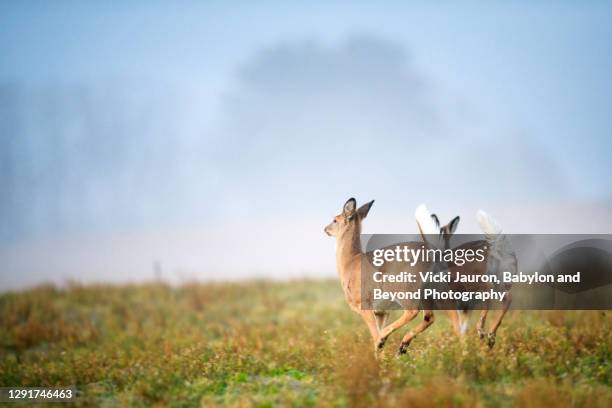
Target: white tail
pixel 500 257
pixel 427 225
pixel 499 246
pixel 489 226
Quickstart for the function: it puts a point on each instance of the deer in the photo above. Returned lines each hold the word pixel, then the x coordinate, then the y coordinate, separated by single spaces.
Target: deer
pixel 499 257
pixel 433 236
pixel 346 229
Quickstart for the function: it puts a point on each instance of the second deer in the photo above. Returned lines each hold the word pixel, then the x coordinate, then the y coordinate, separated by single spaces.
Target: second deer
pixel 499 257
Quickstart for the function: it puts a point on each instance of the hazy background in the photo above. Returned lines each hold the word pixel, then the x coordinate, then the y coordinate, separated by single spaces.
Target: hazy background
pixel 180 141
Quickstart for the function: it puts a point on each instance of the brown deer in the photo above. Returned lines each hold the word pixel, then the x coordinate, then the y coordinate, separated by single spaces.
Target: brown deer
pixel 499 257
pixel 346 228
pixel 433 236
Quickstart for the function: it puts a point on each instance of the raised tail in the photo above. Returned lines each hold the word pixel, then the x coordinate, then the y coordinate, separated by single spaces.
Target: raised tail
pixel 489 226
pixel 427 226
pixel 502 257
pixel 500 247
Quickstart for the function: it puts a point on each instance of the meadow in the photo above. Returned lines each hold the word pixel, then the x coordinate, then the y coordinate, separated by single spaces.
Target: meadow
pixel 294 343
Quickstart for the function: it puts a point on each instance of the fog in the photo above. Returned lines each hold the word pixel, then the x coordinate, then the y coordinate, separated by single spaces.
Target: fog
pixel 230 166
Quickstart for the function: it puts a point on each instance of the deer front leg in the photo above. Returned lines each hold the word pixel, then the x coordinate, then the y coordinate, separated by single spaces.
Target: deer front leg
pixel 370 319
pixel 407 316
pixel 428 319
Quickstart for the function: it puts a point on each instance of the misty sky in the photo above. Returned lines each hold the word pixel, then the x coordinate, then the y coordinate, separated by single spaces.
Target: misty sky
pixel 140 121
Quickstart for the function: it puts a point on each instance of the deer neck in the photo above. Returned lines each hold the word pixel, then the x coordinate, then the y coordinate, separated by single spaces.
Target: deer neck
pixel 348 255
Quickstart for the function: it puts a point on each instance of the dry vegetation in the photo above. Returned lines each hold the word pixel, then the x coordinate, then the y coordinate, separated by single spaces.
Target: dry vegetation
pixel 296 343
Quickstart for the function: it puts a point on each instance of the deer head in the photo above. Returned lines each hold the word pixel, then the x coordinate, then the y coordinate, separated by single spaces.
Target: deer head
pixel 446 231
pixel 349 219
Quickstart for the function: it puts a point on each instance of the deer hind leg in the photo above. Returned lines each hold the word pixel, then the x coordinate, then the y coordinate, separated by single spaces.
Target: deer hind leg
pixel 381 317
pixel 407 316
pixel 493 332
pixel 428 319
pixel 481 322
pixel 453 315
pixel 464 320
pixel 459 320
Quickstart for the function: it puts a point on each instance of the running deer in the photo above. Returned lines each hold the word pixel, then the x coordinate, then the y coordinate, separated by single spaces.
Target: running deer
pixel 346 228
pixel 499 257
pixel 432 235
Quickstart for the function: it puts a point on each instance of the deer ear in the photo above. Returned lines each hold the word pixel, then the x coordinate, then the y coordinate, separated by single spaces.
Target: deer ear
pixel 435 219
pixel 349 206
pixel 452 226
pixel 365 209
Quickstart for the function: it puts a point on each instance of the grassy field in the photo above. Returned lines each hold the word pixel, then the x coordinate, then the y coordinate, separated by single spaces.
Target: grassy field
pixel 295 343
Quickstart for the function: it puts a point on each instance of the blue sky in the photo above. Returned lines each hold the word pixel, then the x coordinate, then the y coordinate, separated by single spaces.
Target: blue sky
pixel 120 116
pixel 540 68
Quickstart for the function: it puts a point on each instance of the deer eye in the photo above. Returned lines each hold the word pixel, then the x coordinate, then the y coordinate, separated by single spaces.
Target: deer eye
pixel 335 221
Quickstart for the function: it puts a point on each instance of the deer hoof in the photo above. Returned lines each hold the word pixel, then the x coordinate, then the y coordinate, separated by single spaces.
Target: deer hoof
pixel 481 334
pixel 491 340
pixel 403 349
pixel 381 343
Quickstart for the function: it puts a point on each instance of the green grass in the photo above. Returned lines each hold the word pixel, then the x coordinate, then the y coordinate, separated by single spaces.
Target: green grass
pixel 295 343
